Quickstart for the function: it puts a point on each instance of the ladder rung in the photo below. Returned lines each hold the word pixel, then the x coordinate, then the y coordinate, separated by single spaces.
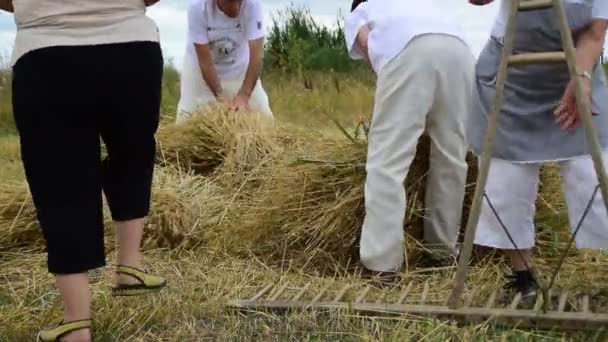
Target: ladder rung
pixel 538 58
pixel 533 5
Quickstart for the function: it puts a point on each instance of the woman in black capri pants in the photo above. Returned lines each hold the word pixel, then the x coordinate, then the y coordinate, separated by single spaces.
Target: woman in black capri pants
pixel 85 71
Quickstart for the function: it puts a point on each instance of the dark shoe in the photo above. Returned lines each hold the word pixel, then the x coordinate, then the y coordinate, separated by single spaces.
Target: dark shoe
pixel 437 257
pixel 380 279
pixel 428 260
pixel 522 282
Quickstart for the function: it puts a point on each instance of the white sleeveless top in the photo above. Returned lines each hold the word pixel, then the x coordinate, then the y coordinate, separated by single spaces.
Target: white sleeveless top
pixel 46 23
pixel 588 9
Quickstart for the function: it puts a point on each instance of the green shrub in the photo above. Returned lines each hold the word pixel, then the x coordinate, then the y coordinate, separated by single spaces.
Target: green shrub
pixel 296 43
pixel 170 89
pixel 7 124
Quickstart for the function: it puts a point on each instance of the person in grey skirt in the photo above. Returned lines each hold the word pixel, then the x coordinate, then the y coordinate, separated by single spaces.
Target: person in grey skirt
pixel 539 123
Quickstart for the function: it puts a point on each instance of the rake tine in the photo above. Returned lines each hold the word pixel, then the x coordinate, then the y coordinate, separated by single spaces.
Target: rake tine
pixel 562 301
pixel 516 301
pixel 301 293
pixel 491 300
pixel 362 295
pixel 382 297
pixel 425 293
pixel 539 301
pixel 538 304
pixel 320 295
pixel 405 292
pixel 470 298
pixel 342 293
pixel 586 303
pixel 262 292
pixel 279 292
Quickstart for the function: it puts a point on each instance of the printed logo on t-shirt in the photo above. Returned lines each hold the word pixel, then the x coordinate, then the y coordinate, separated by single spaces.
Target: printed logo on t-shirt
pixel 224 50
pixel 224 43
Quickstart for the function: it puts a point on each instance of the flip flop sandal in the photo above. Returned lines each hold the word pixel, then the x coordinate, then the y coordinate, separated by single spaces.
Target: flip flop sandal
pixel 147 282
pixel 63 329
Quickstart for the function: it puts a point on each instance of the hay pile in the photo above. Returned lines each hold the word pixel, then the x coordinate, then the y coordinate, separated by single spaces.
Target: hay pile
pixel 302 193
pixel 184 207
pixel 236 183
pixel 18 223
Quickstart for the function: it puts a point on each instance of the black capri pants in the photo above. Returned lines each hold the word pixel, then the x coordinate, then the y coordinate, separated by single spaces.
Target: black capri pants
pixel 65 100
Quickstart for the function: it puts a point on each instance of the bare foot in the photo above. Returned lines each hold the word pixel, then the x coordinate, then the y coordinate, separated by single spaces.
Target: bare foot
pixel 123 279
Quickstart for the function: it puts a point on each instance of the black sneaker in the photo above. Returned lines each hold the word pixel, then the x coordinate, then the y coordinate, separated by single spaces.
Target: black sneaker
pixel 522 282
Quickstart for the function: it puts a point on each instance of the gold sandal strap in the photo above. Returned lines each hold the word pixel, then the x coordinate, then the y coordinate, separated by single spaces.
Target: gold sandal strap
pixel 133 272
pixel 65 328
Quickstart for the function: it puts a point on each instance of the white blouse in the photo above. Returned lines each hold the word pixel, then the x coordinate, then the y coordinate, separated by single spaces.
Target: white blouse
pixel 46 23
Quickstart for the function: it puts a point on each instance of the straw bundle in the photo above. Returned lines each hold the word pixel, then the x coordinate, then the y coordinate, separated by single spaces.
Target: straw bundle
pixel 312 201
pixel 217 137
pixel 18 222
pixel 10 150
pixel 184 207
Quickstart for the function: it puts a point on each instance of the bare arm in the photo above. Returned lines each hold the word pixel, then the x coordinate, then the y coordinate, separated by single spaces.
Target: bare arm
pixel 205 62
pixel 7 5
pixel 254 70
pixel 362 41
pixel 590 44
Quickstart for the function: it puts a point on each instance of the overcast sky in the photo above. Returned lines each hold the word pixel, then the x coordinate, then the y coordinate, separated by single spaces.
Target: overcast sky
pixel 170 15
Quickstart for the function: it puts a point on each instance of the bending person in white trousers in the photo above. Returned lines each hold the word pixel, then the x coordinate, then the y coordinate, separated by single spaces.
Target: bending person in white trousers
pixel 424 82
pixel 224 57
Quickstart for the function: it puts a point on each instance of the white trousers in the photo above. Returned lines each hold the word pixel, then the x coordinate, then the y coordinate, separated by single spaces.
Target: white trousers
pixel 512 189
pixel 195 92
pixel 427 86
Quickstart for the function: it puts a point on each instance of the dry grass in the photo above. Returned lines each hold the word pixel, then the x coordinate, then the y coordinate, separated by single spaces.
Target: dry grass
pixel 191 309
pixel 237 204
pixel 17 216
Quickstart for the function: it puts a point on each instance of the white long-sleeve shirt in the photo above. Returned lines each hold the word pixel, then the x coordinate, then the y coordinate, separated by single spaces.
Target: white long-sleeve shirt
pixel 393 24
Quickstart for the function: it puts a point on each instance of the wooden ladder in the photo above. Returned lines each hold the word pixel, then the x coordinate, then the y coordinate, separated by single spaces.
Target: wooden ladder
pixel 508 59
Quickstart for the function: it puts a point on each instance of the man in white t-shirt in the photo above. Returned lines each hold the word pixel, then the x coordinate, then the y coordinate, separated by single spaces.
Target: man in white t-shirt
pixel 424 82
pixel 224 56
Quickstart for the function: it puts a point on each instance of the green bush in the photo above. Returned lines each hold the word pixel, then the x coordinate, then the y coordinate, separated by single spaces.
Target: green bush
pixel 296 43
pixel 170 89
pixel 170 96
pixel 7 124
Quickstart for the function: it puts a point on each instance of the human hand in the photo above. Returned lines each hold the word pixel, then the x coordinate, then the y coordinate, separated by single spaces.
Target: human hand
pixel 567 114
pixel 240 102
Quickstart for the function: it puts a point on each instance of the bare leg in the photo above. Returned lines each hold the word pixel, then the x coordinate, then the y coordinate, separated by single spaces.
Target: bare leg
pixel 129 243
pixel 520 260
pixel 76 296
